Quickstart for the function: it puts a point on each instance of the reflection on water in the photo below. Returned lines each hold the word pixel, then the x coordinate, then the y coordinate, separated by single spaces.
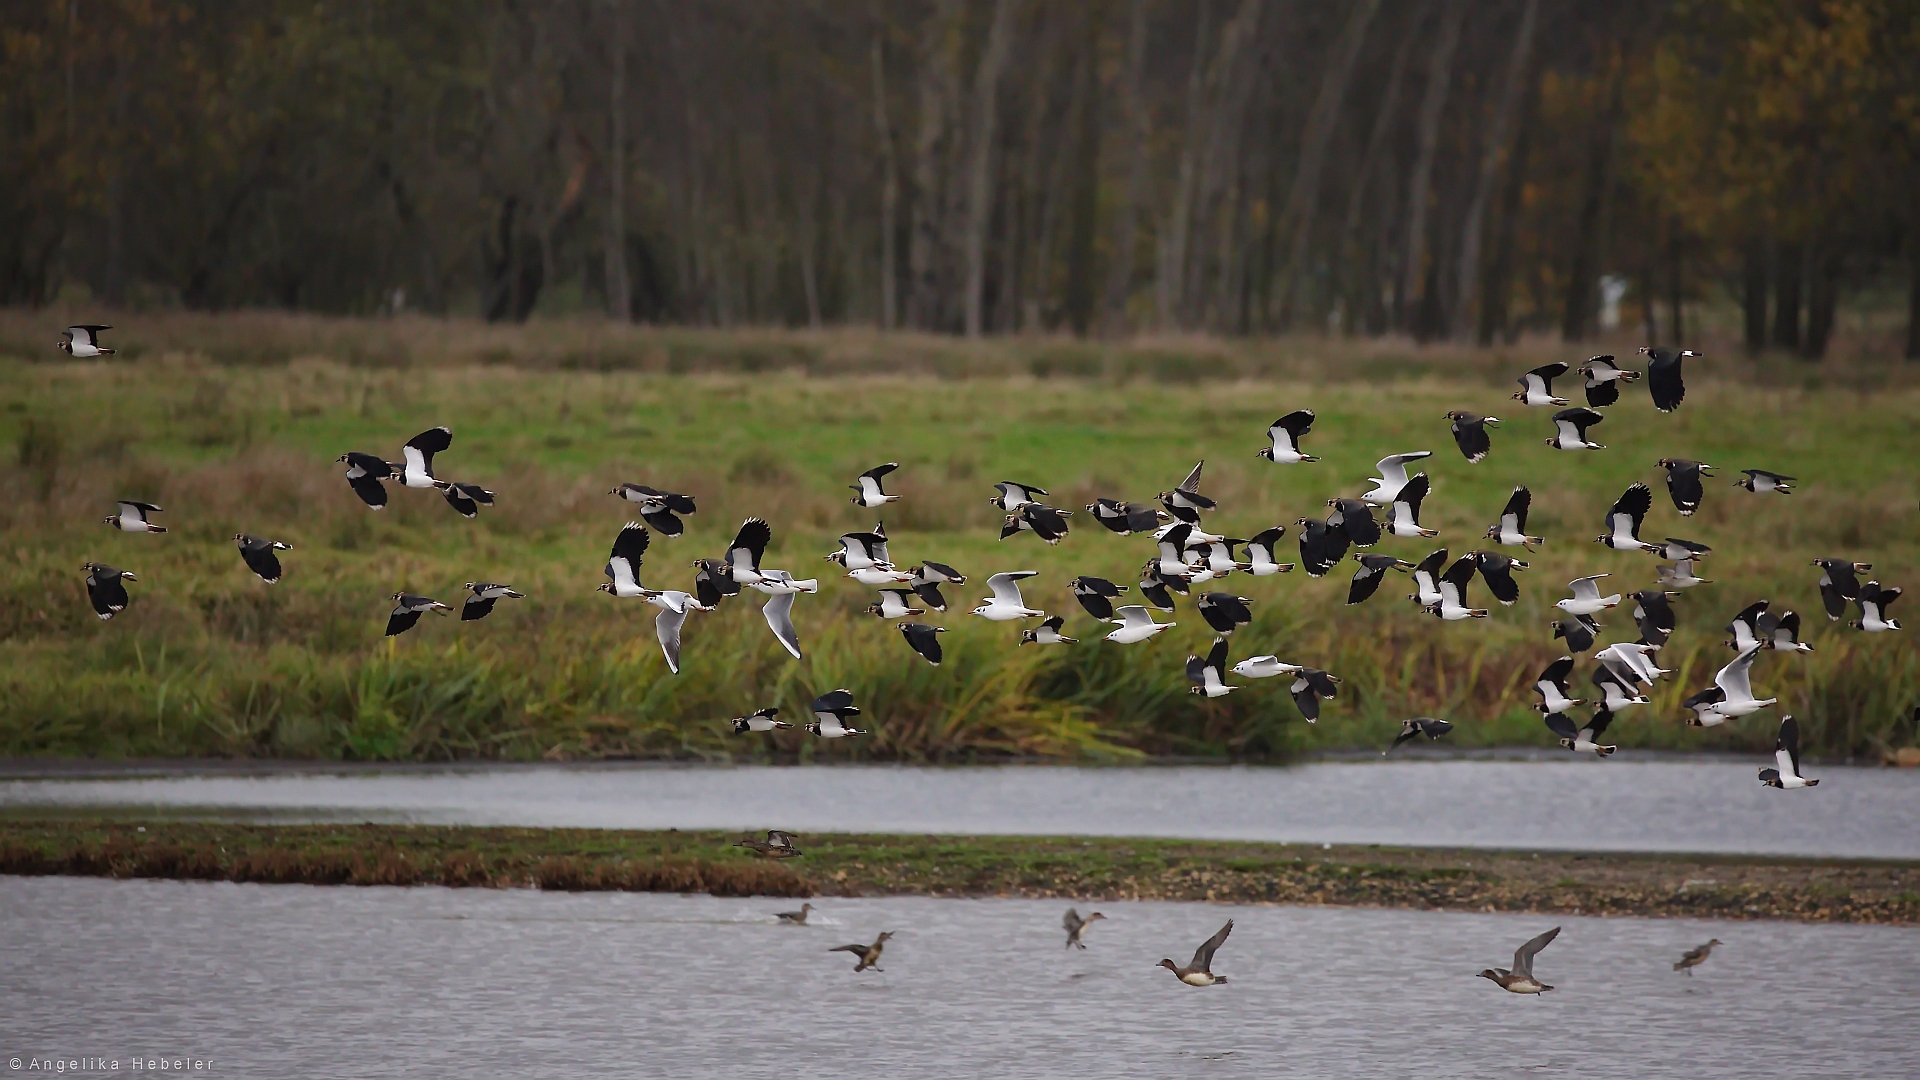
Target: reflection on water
pixel 1659 805
pixel 296 980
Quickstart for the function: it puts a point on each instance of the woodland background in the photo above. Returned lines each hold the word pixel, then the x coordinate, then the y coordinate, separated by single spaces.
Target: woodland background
pixel 1435 168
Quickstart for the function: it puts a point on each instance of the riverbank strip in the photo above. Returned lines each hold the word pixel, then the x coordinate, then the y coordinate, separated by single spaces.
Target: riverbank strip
pixel 1077 868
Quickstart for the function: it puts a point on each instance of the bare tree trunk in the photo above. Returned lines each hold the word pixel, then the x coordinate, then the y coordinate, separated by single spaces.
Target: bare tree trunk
pixel 923 246
pixel 1362 272
pixel 1676 295
pixel 619 294
pixel 1823 296
pixel 1413 268
pixel 1083 216
pixel 1577 313
pixel 1172 273
pixel 986 114
pixel 1303 199
pixel 1472 228
pixel 889 181
pixel 1498 286
pixel 1788 272
pixel 1126 223
pixel 1913 297
pixel 1217 191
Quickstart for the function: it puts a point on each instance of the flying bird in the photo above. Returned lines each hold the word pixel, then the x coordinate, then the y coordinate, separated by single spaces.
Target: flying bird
pixel 713 582
pixel 1874 601
pixel 1730 697
pixel 407 609
pixel 1781 632
pixel 1355 518
pixel 1096 595
pixel 895 604
pixel 1623 521
pixel 1579 631
pixel 869 955
pixel 1520 979
pixel 1694 957
pixel 1452 606
pixel 1838 585
pixel 416 470
pixel 1616 691
pixel 1786 759
pixel 1631 662
pixel 1135 623
pixel 1075 926
pixel 1760 481
pixel 1309 686
pixel 1497 571
pixel 777 845
pixel 748 548
pixel 1404 520
pixel 1416 727
pixel 623 562
pixel 1745 627
pixel 1224 612
pixel 1573 425
pixel 674 606
pixel 831 711
pixel 1125 518
pixel 1285 434
pixel 1264 667
pixel 1586 598
pixel 1048 633
pixel 1680 575
pixel 1536 386
pixel 1683 483
pixel 1582 739
pixel 1511 529
pixel 1602 378
pixel 1014 495
pixel 1322 546
pixel 132 517
pixel 868 492
pixel 482 596
pixel 1185 501
pixel 1676 549
pixel 1200 971
pixel 1393 476
pixel 82 341
pixel 659 509
pixel 1470 434
pixel 105 589
pixel 1552 687
pixel 1664 383
pixel 1373 570
pixel 1043 521
pixel 1208 674
pixel 1260 560
pixel 778 611
pixel 364 475
pixel 863 550
pixel 927 579
pixel 1005 604
pixel 763 720
pixel 924 640
pixel 1426 579
pixel 258 553
pixel 1653 615
pixel 466 499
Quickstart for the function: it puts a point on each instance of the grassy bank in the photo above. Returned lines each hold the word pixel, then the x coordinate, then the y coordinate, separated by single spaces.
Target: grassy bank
pixel 233 424
pixel 1063 867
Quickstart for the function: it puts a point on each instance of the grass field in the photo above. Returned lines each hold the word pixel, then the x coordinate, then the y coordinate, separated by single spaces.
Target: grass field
pixel 241 435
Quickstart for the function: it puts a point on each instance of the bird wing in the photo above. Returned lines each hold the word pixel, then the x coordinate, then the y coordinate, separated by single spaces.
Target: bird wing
pixel 1733 679
pixel 1203 956
pixel 1192 482
pixel 1664 382
pixel 1006 587
pixel 1217 656
pixel 1584 588
pixel 1558 671
pixel 1517 504
pixel 1133 615
pixel 1601 718
pixel 1393 467
pixel 1523 956
pixel 833 701
pixel 1460 574
pixel 1633 503
pixel 1562 725
pixel 879 471
pixel 1786 749
pixel 779 613
pixel 625 558
pixel 667 626
pixel 1410 494
pixel 750 543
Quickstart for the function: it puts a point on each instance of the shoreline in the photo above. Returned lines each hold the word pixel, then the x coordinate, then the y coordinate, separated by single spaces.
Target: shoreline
pixel 1077 868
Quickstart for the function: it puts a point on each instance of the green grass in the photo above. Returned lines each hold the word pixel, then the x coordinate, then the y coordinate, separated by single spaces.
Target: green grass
pixel 209 661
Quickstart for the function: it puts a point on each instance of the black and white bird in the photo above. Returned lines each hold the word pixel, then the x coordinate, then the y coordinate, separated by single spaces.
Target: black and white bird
pixel 748 548
pixel 623 562
pixel 1393 476
pixel 1582 739
pixel 1874 599
pixel 831 711
pixel 863 550
pixel 1322 546
pixel 869 493
pixel 1632 661
pixel 1265 667
pixel 105 589
pixel 1511 529
pixel 1681 575
pixel 258 553
pixel 924 640
pixel 1470 434
pixel 1602 379
pixel 1453 591
pixel 82 341
pixel 1586 598
pixel 1096 595
pixel 1170 546
pixel 1185 501
pixel 1760 482
pixel 1158 591
pixel 1135 624
pixel 674 606
pixel 1520 980
pixel 1731 695
pixel 1404 518
pixel 1224 612
pixel 133 517
pixel 1355 518
pixel 1616 692
pixel 1208 673
pixel 927 579
pixel 1200 971
pixel 1005 605
pixel 1552 687
pixel 1373 570
pixel 1839 585
pixel 364 475
pixel 1683 483
pixel 1573 425
pixel 713 582
pixel 1497 571
pixel 1417 726
pixel 1674 548
pixel 659 509
pixel 1014 495
pixel 1215 557
pixel 1260 560
pixel 1048 633
pixel 466 499
pixel 1579 630
pixel 1786 759
pixel 1285 434
pixel 895 604
pixel 764 720
pixel 1536 386
pixel 416 470
pixel 1653 615
pixel 407 609
pixel 1125 518
pixel 1781 632
pixel 1426 579
pixel 1745 627
pixel 1309 686
pixel 1046 522
pixel 482 596
pixel 1664 383
pixel 1623 521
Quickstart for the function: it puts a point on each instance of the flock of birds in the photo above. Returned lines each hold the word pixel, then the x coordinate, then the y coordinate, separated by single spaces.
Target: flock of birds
pixel 1185 555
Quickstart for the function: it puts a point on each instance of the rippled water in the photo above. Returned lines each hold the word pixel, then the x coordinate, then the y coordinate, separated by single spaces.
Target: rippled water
pixel 1648 805
pixel 302 981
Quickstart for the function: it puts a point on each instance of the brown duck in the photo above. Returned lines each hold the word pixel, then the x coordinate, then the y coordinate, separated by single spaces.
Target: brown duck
pixel 1694 957
pixel 1520 980
pixel 777 845
pixel 1075 926
pixel 1200 971
pixel 794 918
pixel 869 954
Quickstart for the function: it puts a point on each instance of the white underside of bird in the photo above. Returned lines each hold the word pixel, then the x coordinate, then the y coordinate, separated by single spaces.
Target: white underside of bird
pixel 1135 624
pixel 1264 667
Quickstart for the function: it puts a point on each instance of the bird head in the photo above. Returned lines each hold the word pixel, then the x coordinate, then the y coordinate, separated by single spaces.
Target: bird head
pixel 981 610
pixel 1265 452
pixel 1170 966
pixel 1196 689
pixel 396 596
pixel 110 520
pixel 66 346
pixel 1094 916
pixel 838 557
pixel 1519 395
pixel 1029 636
pixel 238 538
pixel 740 725
pixel 1490 973
pixel 605 587
pixel 342 457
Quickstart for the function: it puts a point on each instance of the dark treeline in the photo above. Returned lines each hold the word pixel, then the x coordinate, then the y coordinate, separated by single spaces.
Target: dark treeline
pixel 1464 169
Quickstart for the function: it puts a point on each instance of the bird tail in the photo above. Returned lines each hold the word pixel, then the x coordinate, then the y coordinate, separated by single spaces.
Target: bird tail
pixel 156 528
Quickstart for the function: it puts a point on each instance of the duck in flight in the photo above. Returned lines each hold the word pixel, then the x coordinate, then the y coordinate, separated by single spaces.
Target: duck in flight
pixel 1200 971
pixel 1075 926
pixel 777 845
pixel 1694 957
pixel 1520 979
pixel 869 955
